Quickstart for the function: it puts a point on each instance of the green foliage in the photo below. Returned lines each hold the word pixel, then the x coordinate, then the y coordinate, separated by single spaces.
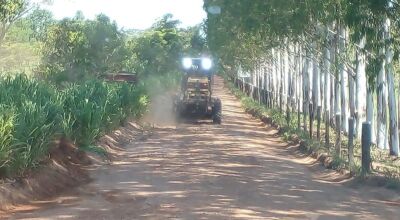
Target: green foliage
pixel 245 30
pixel 39 21
pixel 79 49
pixel 71 102
pixel 19 51
pixel 30 118
pixel 6 131
pixel 75 49
pixel 195 42
pixel 10 11
pixel 159 49
pixel 96 107
pixel 34 114
pixel 19 32
pixel 31 28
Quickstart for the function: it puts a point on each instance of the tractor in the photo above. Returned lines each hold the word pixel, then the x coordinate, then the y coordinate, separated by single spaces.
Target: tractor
pixel 195 98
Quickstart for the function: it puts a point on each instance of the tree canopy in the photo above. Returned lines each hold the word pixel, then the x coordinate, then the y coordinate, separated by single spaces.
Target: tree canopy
pixel 250 28
pixel 11 11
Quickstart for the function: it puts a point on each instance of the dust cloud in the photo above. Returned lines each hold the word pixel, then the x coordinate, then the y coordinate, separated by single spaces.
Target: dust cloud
pixel 161 110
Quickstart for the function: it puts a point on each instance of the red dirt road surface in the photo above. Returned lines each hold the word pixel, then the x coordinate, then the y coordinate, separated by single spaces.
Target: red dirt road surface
pixel 238 170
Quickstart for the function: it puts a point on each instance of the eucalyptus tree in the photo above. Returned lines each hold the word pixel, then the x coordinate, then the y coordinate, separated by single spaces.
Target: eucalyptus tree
pixel 357 47
pixel 370 21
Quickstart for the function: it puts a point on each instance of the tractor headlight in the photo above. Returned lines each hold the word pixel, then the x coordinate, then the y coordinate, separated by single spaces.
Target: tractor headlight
pixel 187 63
pixel 206 63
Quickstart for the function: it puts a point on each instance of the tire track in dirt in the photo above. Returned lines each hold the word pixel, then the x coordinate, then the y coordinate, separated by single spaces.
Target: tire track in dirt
pixel 238 170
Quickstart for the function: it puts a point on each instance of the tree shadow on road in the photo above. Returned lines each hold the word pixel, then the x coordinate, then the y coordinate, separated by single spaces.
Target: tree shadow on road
pixel 238 170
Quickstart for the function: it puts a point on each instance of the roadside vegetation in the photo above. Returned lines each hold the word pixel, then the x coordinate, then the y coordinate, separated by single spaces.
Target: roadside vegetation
pixel 52 83
pixel 387 171
pixel 33 115
pixel 332 64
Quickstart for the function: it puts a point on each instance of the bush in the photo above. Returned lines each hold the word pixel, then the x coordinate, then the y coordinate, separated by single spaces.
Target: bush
pixel 97 107
pixel 30 116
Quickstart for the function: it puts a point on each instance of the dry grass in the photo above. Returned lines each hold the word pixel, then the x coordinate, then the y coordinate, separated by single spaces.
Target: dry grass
pixel 19 57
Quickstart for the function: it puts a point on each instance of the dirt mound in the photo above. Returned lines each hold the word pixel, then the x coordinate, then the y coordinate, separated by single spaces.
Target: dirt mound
pixel 115 142
pixel 64 169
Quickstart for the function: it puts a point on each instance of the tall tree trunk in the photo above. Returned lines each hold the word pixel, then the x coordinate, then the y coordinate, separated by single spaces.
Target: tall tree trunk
pixel 332 95
pixel 259 85
pixel 327 92
pixel 321 66
pixel 333 107
pixel 281 79
pixel 285 77
pixel 299 83
pixel 337 115
pixel 269 77
pixel 352 97
pixel 337 97
pixel 295 77
pixel 253 82
pixel 343 79
pixel 370 108
pixel 393 129
pixel 360 87
pixel 289 84
pixel 273 78
pixel 315 85
pixel 306 96
pixel 336 89
pixel 381 94
pixel 310 86
pixel 266 72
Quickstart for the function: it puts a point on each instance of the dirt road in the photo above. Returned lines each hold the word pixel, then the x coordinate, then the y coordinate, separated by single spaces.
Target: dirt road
pixel 237 170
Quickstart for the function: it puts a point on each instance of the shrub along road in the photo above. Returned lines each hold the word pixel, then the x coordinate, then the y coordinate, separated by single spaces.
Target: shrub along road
pixel 238 170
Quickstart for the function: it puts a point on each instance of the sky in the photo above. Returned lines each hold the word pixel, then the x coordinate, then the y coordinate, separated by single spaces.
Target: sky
pixel 132 14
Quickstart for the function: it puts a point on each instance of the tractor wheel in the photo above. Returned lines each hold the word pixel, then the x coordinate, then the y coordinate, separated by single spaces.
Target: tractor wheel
pixel 217 112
